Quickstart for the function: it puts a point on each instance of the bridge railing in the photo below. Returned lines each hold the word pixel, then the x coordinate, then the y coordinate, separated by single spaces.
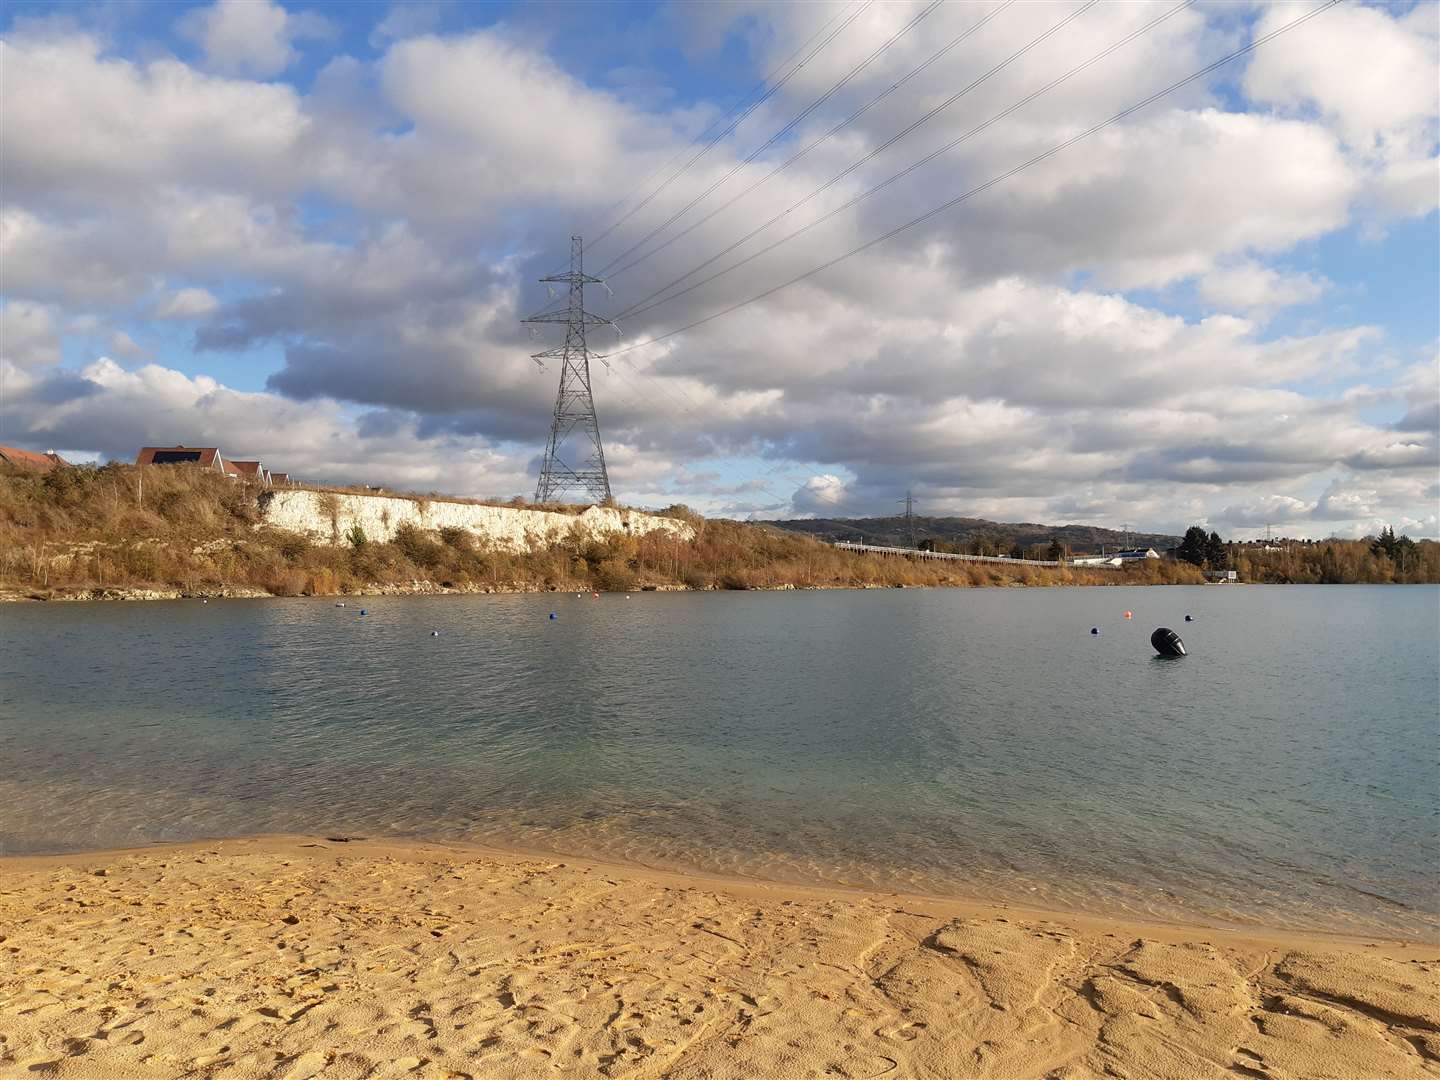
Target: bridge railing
pixel 914 553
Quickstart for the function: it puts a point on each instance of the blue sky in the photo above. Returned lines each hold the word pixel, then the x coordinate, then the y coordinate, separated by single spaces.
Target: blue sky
pixel 310 233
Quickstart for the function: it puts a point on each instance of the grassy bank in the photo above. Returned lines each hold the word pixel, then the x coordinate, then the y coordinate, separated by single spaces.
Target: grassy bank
pixel 119 528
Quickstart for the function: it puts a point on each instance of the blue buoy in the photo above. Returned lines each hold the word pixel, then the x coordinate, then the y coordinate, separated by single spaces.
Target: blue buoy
pixel 1094 630
pixel 362 611
pixel 553 615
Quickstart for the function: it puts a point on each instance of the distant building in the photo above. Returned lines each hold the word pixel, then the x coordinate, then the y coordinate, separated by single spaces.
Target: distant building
pixel 1115 558
pixel 207 457
pixel 280 479
pixel 30 460
pixel 253 471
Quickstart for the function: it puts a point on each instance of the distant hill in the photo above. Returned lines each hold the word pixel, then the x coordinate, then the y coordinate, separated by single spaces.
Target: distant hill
pixel 965 531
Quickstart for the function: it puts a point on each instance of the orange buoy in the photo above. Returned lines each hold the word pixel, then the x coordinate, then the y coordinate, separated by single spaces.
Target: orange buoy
pixel 1129 614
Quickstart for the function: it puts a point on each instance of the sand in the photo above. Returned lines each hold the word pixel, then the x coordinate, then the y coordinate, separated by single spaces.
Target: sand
pixel 306 957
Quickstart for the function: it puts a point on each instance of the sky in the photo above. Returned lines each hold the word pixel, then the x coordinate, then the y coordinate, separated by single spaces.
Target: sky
pixel 309 234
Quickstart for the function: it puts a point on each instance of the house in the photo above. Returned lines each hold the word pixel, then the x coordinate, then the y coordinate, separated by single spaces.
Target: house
pixel 251 471
pixel 30 461
pixel 207 457
pixel 280 479
pixel 1095 560
pixel 1115 558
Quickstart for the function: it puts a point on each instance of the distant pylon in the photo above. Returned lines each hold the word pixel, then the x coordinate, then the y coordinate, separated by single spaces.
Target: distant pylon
pixel 574 404
pixel 910 518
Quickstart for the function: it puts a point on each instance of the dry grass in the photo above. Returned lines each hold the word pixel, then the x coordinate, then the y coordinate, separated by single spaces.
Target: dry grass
pixel 167 527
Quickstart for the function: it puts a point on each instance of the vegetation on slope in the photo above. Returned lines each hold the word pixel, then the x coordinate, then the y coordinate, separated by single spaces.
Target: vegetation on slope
pixel 977 536
pixel 173 528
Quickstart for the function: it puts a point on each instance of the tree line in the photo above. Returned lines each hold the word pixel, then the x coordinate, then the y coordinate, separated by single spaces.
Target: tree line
pixel 1382 559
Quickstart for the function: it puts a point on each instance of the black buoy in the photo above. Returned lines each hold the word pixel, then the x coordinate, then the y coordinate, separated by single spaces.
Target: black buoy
pixel 1189 618
pixel 1094 630
pixel 1167 642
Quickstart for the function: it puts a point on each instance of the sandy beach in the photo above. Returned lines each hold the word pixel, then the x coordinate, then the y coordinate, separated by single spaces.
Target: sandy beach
pixel 312 957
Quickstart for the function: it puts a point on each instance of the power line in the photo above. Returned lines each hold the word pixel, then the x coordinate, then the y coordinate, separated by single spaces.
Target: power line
pixel 1001 178
pixel 639 305
pixel 913 73
pixel 594 222
pixel 826 96
pixel 737 121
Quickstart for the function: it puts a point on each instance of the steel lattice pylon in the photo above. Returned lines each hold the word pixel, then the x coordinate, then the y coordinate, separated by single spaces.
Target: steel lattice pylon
pixel 574 404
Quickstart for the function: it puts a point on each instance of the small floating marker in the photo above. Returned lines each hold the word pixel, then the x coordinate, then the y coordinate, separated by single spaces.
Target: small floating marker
pixel 1167 642
pixel 434 633
pixel 339 605
pixel 1189 618
pixel 204 601
pixel 362 611
pixel 1129 614
pixel 594 596
pixel 553 615
pixel 1094 630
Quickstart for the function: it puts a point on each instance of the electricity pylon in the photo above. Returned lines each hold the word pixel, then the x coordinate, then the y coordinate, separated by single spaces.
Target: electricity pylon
pixel 909 501
pixel 574 404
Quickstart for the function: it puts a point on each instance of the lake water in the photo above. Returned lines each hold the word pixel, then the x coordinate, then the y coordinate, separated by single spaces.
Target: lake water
pixel 972 742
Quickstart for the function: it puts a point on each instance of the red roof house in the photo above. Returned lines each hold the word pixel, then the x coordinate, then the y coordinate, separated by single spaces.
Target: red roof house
pixel 30 460
pixel 251 470
pixel 207 457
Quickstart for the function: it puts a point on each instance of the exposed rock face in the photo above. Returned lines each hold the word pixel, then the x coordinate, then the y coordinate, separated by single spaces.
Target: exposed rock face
pixel 329 516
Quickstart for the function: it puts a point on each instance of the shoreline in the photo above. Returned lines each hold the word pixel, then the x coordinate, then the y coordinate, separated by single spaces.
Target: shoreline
pixel 291 957
pixel 958 904
pixel 245 592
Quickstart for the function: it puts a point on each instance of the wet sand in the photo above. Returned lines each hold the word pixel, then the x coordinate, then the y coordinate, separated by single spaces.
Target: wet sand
pixel 298 957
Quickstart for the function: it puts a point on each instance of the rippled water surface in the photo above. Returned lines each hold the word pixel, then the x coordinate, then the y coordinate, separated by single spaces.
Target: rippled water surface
pixel 977 742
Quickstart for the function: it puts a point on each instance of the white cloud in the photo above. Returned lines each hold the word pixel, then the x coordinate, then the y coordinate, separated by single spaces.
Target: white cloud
pixel 188 303
pixel 29 337
pixel 84 131
pixel 106 408
pixel 251 37
pixel 1372 78
pixel 125 345
pixel 1253 287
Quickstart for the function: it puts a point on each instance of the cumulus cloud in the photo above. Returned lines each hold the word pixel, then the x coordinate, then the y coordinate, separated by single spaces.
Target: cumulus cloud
pixel 251 37
pixel 29 337
pixel 1252 287
pixel 126 346
pixel 115 410
pixel 1384 107
pixel 188 303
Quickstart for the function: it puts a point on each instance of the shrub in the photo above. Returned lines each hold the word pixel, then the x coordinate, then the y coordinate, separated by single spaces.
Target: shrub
pixel 356 537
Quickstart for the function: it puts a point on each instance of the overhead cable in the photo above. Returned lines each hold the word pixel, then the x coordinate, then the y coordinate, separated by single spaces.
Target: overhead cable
pixel 835 88
pixel 774 89
pixel 996 180
pixel 643 305
pixel 913 73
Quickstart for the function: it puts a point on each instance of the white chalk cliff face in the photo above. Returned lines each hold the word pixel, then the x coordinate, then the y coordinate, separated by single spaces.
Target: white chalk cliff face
pixel 329 516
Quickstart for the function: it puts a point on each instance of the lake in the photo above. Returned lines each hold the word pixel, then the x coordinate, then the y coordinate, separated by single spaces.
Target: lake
pixel 975 742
